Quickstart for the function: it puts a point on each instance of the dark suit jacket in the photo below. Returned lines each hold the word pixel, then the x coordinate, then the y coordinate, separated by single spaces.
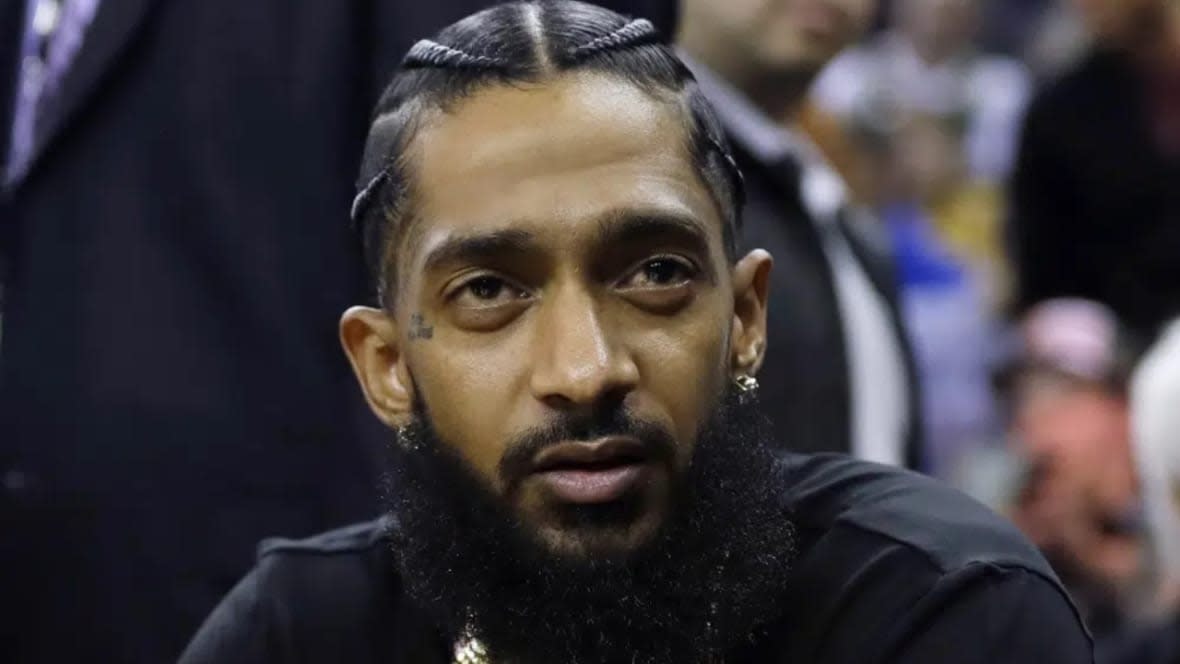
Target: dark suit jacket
pixel 1095 202
pixel 804 382
pixel 171 387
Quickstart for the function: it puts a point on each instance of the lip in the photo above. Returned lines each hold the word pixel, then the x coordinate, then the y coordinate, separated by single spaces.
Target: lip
pixel 592 473
pixel 604 451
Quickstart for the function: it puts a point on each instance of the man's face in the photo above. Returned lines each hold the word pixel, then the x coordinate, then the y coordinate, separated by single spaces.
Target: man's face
pixel 565 312
pixel 938 28
pixel 1082 484
pixel 780 35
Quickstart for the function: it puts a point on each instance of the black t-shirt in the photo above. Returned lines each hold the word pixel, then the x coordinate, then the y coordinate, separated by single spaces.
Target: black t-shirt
pixel 892 568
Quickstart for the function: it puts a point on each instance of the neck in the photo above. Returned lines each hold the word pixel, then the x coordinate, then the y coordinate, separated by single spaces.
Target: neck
pixel 781 95
pixel 933 53
pixel 778 94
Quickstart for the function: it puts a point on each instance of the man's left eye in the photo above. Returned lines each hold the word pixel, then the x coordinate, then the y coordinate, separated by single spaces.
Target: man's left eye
pixel 663 271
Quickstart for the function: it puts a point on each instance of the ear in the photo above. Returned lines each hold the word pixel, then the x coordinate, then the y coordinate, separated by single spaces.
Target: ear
pixel 370 340
pixel 751 287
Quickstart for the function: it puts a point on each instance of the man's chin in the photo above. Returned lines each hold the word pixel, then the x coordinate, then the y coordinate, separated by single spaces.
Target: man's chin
pixel 800 58
pixel 604 541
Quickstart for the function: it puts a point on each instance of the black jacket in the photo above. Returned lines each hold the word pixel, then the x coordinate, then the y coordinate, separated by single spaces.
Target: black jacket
pixel 1095 201
pixel 805 383
pixel 892 568
pixel 171 386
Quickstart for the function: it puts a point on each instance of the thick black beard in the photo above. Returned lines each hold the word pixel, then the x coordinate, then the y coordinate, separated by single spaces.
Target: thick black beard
pixel 709 580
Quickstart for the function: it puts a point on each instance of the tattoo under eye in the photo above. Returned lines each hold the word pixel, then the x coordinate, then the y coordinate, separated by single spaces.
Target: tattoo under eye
pixel 419 329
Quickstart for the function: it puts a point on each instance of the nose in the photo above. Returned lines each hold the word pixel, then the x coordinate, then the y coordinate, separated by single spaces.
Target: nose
pixel 578 365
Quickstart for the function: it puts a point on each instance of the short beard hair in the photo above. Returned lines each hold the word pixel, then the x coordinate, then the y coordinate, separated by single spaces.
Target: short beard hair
pixel 705 586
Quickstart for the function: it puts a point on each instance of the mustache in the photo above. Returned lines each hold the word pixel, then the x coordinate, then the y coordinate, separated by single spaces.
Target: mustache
pixel 658 442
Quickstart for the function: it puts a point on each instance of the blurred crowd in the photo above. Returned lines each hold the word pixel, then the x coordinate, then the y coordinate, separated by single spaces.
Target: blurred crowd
pixel 1022 158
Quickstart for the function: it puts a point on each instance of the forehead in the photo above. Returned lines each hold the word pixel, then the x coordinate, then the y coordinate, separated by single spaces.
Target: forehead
pixel 557 154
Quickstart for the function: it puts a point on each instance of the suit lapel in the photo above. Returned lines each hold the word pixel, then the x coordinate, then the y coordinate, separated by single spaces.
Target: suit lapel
pixel 106 40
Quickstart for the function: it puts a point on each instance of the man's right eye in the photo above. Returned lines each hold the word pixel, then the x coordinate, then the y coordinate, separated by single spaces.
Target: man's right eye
pixel 485 288
pixel 486 291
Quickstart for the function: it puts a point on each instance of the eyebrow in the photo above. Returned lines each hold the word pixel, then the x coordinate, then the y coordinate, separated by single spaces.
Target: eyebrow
pixel 478 248
pixel 625 228
pixel 618 228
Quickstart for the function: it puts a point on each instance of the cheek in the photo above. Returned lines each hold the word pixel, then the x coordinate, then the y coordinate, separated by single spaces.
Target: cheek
pixel 746 15
pixel 471 394
pixel 684 369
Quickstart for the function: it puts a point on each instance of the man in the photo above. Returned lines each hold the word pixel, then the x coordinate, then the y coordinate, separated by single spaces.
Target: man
pixel 938 119
pixel 565 348
pixel 928 65
pixel 1154 393
pixel 1078 500
pixel 171 257
pixel 1095 209
pixel 841 376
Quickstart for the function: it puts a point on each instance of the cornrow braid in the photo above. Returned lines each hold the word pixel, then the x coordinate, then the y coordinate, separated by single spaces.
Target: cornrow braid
pixel 734 171
pixel 634 33
pixel 429 53
pixel 522 42
pixel 362 200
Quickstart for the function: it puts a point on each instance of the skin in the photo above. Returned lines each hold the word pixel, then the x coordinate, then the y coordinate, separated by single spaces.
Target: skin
pixel 938 29
pixel 1079 434
pixel 1140 25
pixel 1118 21
pixel 771 49
pixel 565 255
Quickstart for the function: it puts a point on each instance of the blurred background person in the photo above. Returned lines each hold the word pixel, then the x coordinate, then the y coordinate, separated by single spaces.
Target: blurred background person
pixel 1075 492
pixel 176 253
pixel 927 63
pixel 1095 210
pixel 1155 418
pixel 934 119
pixel 839 376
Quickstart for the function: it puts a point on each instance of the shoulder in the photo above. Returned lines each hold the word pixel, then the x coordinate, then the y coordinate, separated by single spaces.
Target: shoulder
pixel 355 550
pixel 330 576
pixel 353 539
pixel 936 524
pixel 335 592
pixel 890 561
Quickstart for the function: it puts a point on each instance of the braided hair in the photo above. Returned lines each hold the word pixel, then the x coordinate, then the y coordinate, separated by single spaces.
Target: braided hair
pixel 523 41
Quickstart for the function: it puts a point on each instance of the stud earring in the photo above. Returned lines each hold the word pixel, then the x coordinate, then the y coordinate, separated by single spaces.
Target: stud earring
pixel 746 384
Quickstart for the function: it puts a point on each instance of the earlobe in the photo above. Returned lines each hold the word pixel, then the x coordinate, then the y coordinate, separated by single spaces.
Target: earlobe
pixel 370 340
pixel 751 286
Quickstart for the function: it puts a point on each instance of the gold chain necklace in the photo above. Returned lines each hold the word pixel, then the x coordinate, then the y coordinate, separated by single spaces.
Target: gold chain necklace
pixel 469 650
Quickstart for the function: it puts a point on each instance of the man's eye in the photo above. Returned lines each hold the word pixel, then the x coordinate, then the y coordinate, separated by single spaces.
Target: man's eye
pixel 486 291
pixel 661 272
pixel 485 288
